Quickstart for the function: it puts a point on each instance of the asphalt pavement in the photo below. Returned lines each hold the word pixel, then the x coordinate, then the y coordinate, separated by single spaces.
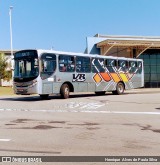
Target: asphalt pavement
pixel 83 125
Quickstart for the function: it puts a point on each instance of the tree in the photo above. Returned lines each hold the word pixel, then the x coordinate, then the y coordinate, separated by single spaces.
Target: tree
pixel 4 74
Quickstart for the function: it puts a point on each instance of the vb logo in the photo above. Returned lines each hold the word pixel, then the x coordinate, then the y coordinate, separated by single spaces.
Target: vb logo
pixel 79 77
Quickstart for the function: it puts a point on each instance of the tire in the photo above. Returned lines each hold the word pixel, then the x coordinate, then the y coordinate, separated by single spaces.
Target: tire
pixel 100 93
pixel 119 89
pixel 44 97
pixel 64 91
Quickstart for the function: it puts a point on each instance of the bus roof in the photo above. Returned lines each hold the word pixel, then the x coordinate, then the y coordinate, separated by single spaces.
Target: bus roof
pixel 41 51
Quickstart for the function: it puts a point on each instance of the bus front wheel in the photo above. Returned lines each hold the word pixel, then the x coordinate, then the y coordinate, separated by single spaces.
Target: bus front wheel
pixel 119 89
pixel 64 91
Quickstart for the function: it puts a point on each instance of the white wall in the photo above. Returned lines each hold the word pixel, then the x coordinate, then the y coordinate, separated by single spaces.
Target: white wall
pixel 6 83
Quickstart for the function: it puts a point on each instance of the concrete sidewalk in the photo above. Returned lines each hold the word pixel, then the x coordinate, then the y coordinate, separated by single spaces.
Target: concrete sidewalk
pixel 143 90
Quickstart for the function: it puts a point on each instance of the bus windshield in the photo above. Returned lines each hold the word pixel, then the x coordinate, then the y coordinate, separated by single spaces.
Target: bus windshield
pixel 26 65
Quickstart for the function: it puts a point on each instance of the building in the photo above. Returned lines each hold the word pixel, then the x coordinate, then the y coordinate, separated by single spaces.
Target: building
pixel 7 54
pixel 146 48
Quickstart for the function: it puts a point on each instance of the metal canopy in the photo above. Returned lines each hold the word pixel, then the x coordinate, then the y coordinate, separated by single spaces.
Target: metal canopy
pixel 139 43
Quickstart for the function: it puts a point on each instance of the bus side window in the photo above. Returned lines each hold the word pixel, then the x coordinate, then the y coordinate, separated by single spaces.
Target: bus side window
pixel 98 65
pixel 66 63
pixel 71 64
pixel 48 65
pixel 83 64
pixel 111 65
pixel 132 66
pixel 63 67
pixel 139 67
pixel 101 65
pixel 61 63
pixel 123 65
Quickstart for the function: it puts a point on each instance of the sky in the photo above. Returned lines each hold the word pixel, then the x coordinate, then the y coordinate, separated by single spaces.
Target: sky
pixel 64 24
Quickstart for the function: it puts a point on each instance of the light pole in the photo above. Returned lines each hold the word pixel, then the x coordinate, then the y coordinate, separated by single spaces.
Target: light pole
pixel 12 57
pixel 10 14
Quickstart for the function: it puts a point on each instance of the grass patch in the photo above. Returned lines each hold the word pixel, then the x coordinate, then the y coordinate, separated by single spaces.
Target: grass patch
pixel 6 91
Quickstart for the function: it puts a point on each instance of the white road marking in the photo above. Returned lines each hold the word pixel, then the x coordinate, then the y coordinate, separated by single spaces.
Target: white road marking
pixel 107 112
pixel 123 112
pixel 5 140
pixel 84 105
pixel 80 110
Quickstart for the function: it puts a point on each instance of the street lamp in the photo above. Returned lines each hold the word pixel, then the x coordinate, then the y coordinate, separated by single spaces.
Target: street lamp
pixel 12 57
pixel 10 14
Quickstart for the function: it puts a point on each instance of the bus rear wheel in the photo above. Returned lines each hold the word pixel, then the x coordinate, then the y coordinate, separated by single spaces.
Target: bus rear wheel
pixel 64 91
pixel 119 89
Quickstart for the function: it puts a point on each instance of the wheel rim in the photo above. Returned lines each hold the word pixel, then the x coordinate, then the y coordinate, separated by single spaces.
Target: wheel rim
pixel 66 91
pixel 120 88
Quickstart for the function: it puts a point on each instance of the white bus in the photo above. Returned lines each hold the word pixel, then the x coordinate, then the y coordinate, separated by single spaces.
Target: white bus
pixel 46 72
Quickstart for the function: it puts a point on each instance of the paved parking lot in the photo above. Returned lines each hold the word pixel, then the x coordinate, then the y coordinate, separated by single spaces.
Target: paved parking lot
pixel 84 124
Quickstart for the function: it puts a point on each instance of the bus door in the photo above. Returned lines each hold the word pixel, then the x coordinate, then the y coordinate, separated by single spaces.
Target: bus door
pixel 48 67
